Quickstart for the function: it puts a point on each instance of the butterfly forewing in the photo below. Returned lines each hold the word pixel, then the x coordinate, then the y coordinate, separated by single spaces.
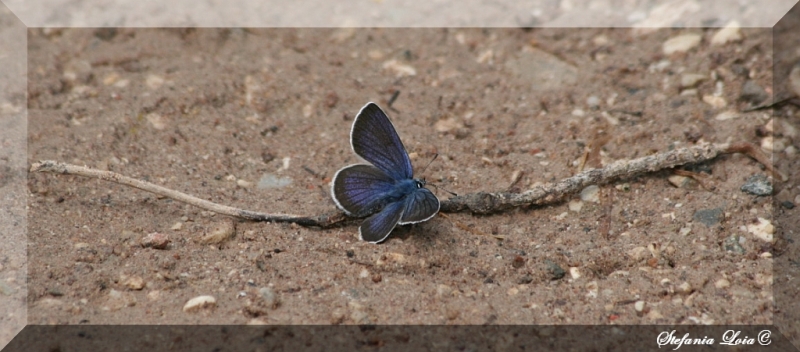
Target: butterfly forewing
pixel 374 138
pixel 419 206
pixel 359 189
pixel 378 226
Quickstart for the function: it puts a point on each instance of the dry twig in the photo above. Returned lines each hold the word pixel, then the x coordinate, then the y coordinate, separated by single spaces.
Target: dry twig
pixel 479 203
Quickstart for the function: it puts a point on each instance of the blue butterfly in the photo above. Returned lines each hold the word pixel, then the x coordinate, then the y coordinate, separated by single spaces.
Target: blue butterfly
pixel 386 191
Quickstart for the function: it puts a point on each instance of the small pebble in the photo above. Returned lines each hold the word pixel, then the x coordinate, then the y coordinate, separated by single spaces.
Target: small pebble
pixel 556 272
pixel 518 262
pixel 269 297
pixel 575 273
pixel 731 244
pixel 575 205
pixel 154 295
pixel 763 230
pixel 243 183
pixel 722 283
pixel 715 101
pixel 682 182
pixel 399 69
pixel 222 231
pixel 447 125
pixel 199 302
pixel 768 143
pixel 681 43
pixel 117 300
pixel 155 240
pixel 690 80
pixel 684 288
pixel 639 307
pixel 728 34
pixel 753 93
pixel 134 283
pixel 638 253
pixel 787 204
pixel 757 185
pixel 708 217
pixel 591 194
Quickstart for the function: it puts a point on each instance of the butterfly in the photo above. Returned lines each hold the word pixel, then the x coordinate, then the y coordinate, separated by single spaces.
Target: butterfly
pixel 384 190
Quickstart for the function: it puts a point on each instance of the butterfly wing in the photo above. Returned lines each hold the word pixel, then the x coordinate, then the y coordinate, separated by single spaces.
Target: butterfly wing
pixel 419 206
pixel 374 138
pixel 359 189
pixel 378 226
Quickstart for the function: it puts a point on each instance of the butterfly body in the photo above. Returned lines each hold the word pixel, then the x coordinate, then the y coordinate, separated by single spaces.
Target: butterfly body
pixel 385 189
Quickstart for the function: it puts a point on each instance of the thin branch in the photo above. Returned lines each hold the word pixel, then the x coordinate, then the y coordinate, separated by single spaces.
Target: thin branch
pixel 324 220
pixel 479 203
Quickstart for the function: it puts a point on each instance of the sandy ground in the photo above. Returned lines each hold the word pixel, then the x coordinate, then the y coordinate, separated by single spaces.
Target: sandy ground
pixel 213 112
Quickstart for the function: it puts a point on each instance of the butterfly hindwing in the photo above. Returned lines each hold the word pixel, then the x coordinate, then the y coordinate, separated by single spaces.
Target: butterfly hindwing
pixel 374 138
pixel 359 189
pixel 419 206
pixel 378 226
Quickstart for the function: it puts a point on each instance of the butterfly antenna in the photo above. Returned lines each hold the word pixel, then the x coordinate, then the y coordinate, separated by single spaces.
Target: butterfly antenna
pixel 429 163
pixel 433 184
pixel 437 187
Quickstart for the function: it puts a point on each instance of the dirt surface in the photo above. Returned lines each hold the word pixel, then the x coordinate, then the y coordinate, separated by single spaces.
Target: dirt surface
pixel 213 112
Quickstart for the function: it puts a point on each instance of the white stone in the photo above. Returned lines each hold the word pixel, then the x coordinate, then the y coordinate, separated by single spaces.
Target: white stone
pixel 715 101
pixel 575 273
pixel 681 43
pixel 689 80
pixel 575 205
pixel 199 302
pixel 763 230
pixel 399 69
pixel 729 33
pixel 591 194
